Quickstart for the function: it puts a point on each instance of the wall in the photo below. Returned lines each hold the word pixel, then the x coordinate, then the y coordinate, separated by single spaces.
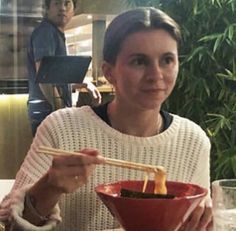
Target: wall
pixel 101 6
pixel 15 134
pixel 17 19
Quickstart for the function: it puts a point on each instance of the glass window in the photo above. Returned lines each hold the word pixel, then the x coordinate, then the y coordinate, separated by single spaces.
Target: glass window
pixel 17 20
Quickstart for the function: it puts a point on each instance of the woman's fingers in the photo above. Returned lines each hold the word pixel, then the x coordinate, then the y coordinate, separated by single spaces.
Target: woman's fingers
pixel 70 172
pixel 206 222
pixel 206 219
pixel 82 176
pixel 68 179
pixel 210 226
pixel 200 219
pixel 194 218
pixel 85 157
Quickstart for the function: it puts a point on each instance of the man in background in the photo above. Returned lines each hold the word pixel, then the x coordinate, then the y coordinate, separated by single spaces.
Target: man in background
pixel 48 39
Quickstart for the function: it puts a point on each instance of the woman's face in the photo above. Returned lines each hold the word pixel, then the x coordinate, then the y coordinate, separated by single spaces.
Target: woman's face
pixel 146 69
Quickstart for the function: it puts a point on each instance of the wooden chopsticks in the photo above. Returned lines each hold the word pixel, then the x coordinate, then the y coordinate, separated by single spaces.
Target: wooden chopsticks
pixel 109 161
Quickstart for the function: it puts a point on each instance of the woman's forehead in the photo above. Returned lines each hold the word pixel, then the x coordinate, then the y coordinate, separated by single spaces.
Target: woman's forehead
pixel 149 40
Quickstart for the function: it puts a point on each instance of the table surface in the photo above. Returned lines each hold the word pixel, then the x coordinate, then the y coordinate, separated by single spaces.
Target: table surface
pixel 5 187
pixel 113 230
pixel 105 88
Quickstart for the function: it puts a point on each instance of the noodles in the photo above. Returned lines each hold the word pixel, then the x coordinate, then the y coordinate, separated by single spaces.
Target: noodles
pixel 159 182
pixel 145 181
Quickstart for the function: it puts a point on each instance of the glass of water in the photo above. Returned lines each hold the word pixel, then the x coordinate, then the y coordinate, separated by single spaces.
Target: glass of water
pixel 224 204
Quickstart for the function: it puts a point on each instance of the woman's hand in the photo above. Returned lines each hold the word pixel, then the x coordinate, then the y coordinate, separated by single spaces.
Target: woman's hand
pixel 201 218
pixel 68 173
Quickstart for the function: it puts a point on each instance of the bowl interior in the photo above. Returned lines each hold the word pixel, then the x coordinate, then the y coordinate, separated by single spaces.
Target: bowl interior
pixel 148 214
pixel 176 188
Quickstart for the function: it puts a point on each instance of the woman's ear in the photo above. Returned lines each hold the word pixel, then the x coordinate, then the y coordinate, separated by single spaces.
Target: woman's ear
pixel 107 69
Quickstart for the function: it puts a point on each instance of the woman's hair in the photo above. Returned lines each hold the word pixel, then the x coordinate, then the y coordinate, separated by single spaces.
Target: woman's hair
pixel 47 3
pixel 136 20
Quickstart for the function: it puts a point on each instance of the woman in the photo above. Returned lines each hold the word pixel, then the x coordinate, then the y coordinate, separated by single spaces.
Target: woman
pixel 141 61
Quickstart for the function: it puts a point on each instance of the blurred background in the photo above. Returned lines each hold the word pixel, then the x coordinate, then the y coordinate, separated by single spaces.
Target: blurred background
pixel 84 36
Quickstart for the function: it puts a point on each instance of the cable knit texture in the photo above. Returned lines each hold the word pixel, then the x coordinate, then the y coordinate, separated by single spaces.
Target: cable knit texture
pixel 183 149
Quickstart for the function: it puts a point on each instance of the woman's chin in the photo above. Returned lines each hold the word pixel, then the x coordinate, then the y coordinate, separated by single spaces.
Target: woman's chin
pixel 152 104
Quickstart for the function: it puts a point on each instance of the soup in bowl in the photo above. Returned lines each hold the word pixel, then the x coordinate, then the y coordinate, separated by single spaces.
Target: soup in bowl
pixel 150 214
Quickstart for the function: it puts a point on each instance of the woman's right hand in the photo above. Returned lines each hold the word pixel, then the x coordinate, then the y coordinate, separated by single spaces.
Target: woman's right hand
pixel 68 173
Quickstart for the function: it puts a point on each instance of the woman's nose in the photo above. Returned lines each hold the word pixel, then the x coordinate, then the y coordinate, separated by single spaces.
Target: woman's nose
pixel 154 71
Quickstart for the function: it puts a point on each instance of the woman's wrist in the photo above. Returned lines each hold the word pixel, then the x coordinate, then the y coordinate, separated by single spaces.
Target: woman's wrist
pixel 30 212
pixel 40 201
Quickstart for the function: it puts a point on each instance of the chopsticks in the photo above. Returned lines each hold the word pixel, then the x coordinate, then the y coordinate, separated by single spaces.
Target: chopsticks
pixel 109 161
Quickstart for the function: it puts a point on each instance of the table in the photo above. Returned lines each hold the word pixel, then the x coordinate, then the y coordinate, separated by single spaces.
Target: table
pixel 5 187
pixel 113 230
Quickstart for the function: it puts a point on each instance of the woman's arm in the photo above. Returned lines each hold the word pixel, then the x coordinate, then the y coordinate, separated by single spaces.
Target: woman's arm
pixel 66 175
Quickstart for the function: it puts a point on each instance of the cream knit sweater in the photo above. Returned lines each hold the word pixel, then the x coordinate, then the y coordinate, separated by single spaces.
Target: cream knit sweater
pixel 183 149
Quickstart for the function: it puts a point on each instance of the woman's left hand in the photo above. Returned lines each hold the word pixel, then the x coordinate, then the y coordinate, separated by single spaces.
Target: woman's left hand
pixel 201 218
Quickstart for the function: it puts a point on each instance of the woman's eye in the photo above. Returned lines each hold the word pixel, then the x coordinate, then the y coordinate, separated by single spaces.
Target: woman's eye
pixel 168 60
pixel 139 61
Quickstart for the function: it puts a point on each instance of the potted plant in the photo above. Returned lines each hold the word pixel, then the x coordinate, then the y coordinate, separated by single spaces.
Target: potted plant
pixel 206 87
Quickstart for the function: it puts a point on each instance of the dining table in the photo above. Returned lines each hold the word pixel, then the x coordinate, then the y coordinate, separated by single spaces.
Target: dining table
pixel 120 229
pixel 5 187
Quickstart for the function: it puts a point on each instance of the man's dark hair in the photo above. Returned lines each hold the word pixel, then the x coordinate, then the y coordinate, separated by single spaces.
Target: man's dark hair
pixel 47 3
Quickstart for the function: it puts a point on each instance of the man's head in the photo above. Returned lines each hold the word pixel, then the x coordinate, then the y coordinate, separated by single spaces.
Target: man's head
pixel 60 12
pixel 47 3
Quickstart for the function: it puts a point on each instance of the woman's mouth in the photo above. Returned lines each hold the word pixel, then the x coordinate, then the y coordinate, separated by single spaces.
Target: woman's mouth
pixel 153 90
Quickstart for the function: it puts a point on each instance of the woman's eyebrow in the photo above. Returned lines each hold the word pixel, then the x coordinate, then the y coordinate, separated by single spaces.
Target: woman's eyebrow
pixel 170 53
pixel 138 55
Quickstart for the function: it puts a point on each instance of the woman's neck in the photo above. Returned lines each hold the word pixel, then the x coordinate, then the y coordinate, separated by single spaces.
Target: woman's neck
pixel 142 123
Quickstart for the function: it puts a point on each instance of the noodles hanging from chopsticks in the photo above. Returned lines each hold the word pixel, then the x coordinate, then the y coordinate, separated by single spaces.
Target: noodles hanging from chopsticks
pixel 159 182
pixel 146 175
pixel 158 171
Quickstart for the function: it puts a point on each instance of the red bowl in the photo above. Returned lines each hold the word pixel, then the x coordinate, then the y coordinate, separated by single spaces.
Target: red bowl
pixel 151 214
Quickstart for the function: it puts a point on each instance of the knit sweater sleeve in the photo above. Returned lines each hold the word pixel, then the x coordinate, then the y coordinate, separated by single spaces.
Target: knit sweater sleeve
pixel 32 169
pixel 202 172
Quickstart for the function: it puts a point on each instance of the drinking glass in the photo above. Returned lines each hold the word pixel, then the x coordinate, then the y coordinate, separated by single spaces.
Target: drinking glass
pixel 224 204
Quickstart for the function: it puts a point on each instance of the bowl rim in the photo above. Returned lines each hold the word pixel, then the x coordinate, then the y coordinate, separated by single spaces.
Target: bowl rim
pixel 204 193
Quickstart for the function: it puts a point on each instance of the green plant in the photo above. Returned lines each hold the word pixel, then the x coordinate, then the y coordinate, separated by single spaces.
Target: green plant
pixel 206 87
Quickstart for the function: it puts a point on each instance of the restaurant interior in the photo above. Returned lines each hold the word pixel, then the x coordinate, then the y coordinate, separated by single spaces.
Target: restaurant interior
pixel 84 36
